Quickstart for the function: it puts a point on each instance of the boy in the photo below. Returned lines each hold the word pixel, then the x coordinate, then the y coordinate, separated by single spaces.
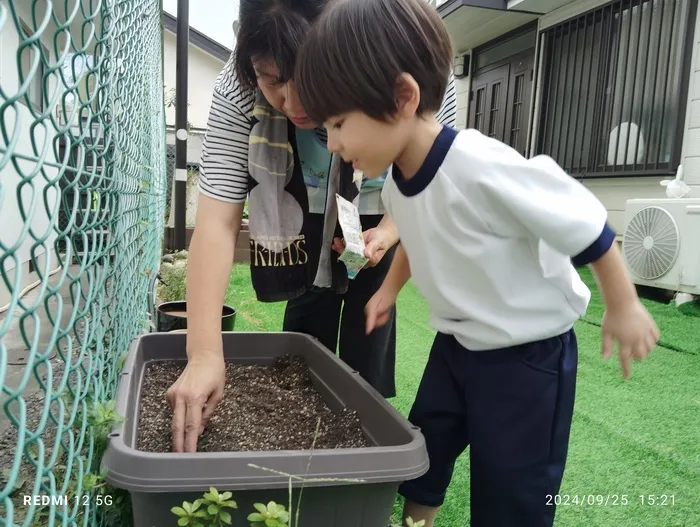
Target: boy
pixel 490 237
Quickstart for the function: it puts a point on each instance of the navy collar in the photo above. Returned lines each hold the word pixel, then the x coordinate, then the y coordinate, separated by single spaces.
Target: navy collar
pixel 433 161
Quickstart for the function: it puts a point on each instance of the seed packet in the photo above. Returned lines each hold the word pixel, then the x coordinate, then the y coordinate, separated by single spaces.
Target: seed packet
pixel 354 254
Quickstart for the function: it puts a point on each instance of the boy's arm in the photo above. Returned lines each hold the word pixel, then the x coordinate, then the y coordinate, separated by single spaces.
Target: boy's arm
pixel 536 197
pixel 399 272
pixel 626 319
pixel 613 280
pixel 379 307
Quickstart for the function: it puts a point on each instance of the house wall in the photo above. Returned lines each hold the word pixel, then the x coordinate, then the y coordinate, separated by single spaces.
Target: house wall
pixel 462 87
pixel 13 225
pixel 691 143
pixel 203 70
pixel 613 192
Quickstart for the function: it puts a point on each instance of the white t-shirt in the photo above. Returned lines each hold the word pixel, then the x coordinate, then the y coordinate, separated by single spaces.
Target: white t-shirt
pixel 490 238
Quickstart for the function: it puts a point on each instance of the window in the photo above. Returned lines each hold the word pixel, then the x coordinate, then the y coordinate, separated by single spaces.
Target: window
pixel 613 94
pixel 35 90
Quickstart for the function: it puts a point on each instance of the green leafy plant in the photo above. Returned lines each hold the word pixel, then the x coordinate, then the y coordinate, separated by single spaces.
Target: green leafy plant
pixel 114 504
pixel 91 482
pixel 121 361
pixel 173 285
pixel 170 101
pixel 191 514
pixel 208 511
pixel 104 417
pixel 411 523
pixel 217 503
pixel 270 515
pixel 91 491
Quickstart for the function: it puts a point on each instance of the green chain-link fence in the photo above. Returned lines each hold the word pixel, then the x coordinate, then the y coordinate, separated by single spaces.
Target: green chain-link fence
pixel 82 202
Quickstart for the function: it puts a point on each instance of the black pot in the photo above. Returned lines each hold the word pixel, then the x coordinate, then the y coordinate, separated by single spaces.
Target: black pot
pixel 172 316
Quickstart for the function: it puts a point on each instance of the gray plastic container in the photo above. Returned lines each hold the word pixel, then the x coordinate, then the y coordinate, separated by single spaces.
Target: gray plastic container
pixel 159 481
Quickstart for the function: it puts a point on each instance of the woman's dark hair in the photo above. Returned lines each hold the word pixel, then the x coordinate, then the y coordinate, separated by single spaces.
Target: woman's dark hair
pixel 272 29
pixel 354 54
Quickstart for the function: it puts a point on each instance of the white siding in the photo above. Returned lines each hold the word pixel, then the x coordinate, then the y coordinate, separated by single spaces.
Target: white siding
pixel 691 142
pixel 568 11
pixel 10 217
pixel 462 87
pixel 203 70
pixel 614 192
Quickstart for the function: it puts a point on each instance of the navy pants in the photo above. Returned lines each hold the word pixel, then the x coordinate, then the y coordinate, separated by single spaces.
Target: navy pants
pixel 513 408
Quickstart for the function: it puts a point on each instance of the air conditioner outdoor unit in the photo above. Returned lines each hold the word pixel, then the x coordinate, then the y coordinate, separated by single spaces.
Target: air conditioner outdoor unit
pixel 661 243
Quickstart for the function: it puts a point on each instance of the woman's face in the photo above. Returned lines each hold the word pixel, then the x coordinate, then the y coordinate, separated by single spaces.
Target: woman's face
pixel 281 95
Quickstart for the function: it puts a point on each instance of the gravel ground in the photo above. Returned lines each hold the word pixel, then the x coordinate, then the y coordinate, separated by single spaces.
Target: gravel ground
pixel 264 408
pixel 34 406
pixel 8 442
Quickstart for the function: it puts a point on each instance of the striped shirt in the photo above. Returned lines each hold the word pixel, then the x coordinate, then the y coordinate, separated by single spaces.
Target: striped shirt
pixel 224 164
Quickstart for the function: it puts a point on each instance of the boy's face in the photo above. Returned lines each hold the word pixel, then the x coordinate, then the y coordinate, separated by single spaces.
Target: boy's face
pixel 370 145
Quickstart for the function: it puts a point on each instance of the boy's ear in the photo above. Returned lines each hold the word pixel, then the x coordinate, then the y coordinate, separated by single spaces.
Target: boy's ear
pixel 407 94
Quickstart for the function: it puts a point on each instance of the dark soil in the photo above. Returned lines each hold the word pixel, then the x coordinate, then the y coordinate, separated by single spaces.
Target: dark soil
pixel 264 408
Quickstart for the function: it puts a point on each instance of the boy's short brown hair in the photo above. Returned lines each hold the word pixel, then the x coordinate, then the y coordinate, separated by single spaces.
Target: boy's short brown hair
pixel 357 49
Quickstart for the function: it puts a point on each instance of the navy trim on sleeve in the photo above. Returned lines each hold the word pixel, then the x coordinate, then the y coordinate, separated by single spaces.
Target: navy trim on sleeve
pixel 433 161
pixel 597 249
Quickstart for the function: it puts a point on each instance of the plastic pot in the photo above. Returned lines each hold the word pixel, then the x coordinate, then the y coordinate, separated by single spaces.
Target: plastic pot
pixel 159 481
pixel 172 316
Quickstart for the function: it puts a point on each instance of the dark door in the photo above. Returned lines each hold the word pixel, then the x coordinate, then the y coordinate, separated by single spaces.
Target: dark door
pixel 488 108
pixel 500 102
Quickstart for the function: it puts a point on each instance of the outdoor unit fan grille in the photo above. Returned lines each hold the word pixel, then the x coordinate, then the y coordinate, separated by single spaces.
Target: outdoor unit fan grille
pixel 651 243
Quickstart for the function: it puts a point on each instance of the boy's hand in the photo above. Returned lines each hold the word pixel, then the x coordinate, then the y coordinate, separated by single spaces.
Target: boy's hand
pixel 634 329
pixel 379 307
pixel 377 242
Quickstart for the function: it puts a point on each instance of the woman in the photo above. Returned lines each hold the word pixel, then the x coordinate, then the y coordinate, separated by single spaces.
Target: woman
pixel 261 146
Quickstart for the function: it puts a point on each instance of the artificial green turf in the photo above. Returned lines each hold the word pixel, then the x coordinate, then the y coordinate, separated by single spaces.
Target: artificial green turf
pixel 632 438
pixel 680 327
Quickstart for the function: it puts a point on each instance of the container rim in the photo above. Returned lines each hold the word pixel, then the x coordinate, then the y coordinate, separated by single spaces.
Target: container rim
pixel 226 310
pixel 199 470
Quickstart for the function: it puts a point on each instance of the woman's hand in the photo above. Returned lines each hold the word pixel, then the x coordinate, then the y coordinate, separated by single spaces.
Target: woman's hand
pixel 194 397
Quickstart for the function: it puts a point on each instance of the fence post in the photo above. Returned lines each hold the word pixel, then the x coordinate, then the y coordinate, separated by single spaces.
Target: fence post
pixel 183 29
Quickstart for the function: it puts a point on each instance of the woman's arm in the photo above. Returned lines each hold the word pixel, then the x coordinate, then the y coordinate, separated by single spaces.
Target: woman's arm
pixel 210 258
pixel 223 187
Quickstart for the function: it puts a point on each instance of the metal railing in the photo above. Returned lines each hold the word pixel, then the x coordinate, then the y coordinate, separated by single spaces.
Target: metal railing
pixel 82 202
pixel 614 88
